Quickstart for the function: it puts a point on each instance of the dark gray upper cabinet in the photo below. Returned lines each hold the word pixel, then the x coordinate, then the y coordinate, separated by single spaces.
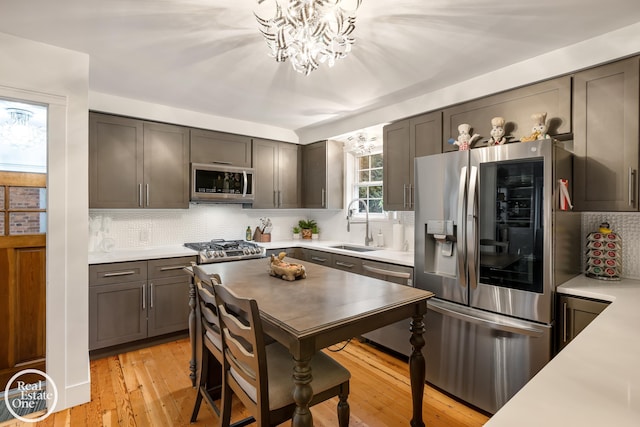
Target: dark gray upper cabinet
pixel 220 148
pixel 605 117
pixel 277 173
pixel 166 166
pixel 137 164
pixel 402 142
pixel 115 161
pixel 516 106
pixel 323 175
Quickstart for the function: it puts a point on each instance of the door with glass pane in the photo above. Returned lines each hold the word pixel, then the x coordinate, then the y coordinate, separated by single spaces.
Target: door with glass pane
pixel 23 226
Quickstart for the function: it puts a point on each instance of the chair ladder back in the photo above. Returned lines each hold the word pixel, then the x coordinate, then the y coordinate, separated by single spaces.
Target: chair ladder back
pixel 243 345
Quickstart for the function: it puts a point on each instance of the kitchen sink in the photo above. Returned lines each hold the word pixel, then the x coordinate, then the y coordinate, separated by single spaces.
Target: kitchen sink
pixel 354 248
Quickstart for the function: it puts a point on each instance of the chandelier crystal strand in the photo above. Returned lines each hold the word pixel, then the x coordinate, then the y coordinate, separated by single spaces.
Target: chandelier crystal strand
pixel 309 32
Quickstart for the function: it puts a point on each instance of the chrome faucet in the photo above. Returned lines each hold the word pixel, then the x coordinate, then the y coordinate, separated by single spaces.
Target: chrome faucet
pixel 368 238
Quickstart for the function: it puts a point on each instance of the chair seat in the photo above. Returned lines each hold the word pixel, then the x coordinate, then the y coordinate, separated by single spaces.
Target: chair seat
pixel 327 373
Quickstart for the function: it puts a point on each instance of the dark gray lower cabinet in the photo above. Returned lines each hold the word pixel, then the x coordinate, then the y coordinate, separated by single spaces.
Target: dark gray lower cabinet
pixel 129 301
pixel 574 314
pixel 116 314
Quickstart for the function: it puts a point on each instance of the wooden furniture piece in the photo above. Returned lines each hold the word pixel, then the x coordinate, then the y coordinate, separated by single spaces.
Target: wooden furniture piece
pixel 606 103
pixel 322 175
pixel 220 148
pixel 277 174
pixel 129 301
pixel 258 374
pixel 574 314
pixel 137 164
pixel 403 141
pixel 208 329
pixel 326 308
pixel 516 106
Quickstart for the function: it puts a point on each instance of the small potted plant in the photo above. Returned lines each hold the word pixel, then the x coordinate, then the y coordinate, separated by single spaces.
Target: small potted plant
pixel 296 232
pixel 306 226
pixel 315 232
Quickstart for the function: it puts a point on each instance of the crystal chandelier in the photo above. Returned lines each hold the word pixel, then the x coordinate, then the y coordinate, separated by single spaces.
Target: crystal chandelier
pixel 309 32
pixel 360 144
pixel 17 130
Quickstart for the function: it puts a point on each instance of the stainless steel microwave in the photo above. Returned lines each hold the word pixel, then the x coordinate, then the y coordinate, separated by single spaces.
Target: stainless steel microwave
pixel 222 183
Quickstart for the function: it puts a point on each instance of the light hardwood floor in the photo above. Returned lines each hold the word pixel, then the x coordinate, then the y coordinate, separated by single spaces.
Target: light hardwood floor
pixel 151 387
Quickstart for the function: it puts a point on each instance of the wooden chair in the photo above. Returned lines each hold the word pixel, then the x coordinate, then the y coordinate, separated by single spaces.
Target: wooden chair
pixel 208 325
pixel 261 375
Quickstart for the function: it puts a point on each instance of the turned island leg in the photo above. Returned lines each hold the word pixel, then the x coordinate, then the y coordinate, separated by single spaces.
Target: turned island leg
pixel 302 393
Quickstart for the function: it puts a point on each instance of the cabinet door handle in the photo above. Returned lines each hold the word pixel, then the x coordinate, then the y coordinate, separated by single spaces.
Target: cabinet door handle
pixel 384 272
pixel 275 205
pixel 119 273
pixel 222 163
pixel 173 267
pixel 147 195
pixel 140 195
pixel 279 198
pixel 345 264
pixel 151 295
pixel 404 195
pixel 632 181
pixel 324 198
pixel 564 323
pixel 315 258
pixel 411 195
pixel 144 296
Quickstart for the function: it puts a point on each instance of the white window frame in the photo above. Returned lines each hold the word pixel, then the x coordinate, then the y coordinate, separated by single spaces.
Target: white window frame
pixel 353 186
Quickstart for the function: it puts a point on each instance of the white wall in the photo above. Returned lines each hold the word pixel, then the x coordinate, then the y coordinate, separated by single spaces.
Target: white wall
pixel 59 77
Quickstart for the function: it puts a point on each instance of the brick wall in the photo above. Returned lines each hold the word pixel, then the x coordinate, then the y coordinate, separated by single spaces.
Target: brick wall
pixel 21 199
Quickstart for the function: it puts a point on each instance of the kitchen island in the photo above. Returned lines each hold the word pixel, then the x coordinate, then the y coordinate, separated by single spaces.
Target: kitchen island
pixel 595 380
pixel 327 307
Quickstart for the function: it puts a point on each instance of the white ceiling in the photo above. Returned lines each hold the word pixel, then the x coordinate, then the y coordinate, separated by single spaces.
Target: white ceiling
pixel 208 56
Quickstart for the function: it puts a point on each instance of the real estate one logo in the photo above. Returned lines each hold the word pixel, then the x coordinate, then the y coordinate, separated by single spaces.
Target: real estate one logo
pixel 26 397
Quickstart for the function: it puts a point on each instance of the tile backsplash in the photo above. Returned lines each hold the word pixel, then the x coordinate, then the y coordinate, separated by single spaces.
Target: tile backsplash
pixel 139 228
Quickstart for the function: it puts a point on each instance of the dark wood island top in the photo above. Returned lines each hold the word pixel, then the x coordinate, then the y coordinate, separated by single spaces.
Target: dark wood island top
pixel 325 308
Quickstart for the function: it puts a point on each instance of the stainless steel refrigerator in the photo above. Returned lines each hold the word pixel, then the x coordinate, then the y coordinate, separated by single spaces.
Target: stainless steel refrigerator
pixel 492 244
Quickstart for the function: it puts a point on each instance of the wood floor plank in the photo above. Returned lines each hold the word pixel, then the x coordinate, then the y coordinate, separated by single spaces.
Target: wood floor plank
pixel 151 387
pixel 121 395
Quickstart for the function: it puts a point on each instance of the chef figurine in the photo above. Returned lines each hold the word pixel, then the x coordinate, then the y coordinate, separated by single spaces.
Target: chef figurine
pixel 539 130
pixel 497 132
pixel 465 139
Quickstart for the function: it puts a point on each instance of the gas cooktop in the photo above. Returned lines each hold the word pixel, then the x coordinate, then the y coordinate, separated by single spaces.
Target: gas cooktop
pixel 219 250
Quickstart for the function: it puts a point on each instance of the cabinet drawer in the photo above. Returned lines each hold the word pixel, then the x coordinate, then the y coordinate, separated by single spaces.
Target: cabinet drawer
pixel 347 263
pixel 319 257
pixel 120 272
pixel 390 272
pixel 169 267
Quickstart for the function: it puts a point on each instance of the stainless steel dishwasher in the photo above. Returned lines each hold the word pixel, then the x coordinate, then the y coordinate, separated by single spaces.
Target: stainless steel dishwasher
pixel 394 336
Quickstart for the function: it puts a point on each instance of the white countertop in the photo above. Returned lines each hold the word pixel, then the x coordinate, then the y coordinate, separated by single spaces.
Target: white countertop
pixel 595 380
pixel 171 251
pixel 379 254
pixel 136 254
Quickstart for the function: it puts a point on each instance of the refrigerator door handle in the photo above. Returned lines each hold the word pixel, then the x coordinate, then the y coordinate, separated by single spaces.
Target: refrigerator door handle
pixel 512 325
pixel 472 219
pixel 462 194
